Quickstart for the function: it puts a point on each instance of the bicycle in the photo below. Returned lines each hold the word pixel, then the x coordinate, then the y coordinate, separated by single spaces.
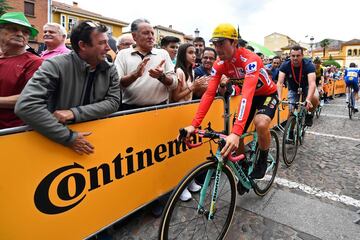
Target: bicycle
pixel 351 102
pixel 319 107
pixel 209 213
pixel 294 132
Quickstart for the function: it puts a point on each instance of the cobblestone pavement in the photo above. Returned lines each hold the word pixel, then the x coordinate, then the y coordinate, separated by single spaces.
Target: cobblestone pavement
pixel 329 163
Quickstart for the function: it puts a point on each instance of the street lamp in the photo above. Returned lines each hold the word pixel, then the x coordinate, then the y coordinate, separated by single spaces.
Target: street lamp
pixel 197 32
pixel 311 38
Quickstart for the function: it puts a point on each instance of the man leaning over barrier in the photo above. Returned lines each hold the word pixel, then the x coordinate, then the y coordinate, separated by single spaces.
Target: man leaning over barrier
pixel 73 87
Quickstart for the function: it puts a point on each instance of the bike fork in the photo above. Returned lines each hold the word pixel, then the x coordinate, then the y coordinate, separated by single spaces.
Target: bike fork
pixel 214 196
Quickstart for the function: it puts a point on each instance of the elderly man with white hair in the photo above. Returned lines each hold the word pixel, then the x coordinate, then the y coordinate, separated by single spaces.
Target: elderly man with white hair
pixel 125 41
pixel 54 39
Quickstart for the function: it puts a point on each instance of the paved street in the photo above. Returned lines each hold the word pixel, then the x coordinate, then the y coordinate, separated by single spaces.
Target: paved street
pixel 316 198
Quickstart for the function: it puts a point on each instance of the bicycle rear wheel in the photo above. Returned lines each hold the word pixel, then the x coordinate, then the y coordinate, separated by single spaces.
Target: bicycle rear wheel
pixel 262 186
pixel 290 141
pixel 351 104
pixel 183 220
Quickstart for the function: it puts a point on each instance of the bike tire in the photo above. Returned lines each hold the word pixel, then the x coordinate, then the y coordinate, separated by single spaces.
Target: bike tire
pixel 262 186
pixel 351 104
pixel 187 214
pixel 318 112
pixel 290 145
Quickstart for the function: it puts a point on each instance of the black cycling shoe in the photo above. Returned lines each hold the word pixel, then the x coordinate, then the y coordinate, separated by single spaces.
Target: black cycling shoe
pixel 260 169
pixel 309 120
pixel 241 189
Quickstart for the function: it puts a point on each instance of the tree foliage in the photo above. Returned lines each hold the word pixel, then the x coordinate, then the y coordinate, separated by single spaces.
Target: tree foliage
pixel 329 62
pixel 324 43
pixel 4 7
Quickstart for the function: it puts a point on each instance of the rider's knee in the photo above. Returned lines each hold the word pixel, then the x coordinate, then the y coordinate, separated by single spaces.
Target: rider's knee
pixel 262 123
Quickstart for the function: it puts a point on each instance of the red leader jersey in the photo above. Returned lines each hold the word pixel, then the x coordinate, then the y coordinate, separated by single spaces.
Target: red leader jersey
pixel 247 70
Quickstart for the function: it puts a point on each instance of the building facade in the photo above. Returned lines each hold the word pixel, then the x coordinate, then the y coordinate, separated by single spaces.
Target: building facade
pixel 69 15
pixel 342 52
pixel 351 52
pixel 161 31
pixel 276 41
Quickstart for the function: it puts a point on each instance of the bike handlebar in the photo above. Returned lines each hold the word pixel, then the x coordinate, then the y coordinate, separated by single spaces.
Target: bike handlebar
pixel 208 134
pixel 296 103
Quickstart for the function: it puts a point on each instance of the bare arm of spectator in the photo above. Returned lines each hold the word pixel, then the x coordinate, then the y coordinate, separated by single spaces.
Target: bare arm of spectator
pixel 200 85
pixel 126 80
pixel 280 83
pixel 9 101
pixel 159 73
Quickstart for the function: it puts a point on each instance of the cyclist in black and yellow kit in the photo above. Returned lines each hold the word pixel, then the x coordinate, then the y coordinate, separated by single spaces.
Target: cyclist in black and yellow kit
pixel 320 80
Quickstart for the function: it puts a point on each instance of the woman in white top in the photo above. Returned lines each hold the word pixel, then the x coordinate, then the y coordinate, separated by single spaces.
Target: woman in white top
pixel 184 70
pixel 185 61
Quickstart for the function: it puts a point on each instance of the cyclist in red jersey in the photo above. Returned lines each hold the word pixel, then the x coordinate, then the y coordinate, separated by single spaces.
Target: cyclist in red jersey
pixel 259 93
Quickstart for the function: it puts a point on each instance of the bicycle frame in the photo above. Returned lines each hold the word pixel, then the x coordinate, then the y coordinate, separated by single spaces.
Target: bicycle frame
pixel 236 169
pixel 299 115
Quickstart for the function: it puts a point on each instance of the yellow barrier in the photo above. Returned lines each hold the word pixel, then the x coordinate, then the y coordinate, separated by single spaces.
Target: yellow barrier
pixel 334 87
pixel 49 192
pixel 339 87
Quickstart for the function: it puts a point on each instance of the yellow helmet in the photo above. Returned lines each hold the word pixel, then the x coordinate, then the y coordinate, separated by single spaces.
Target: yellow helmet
pixel 222 31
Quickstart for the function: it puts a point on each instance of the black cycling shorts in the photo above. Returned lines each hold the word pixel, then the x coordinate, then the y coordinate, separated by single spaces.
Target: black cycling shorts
pixel 263 105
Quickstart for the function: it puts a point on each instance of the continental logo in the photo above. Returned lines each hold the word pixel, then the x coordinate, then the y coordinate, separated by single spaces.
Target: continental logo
pixel 66 187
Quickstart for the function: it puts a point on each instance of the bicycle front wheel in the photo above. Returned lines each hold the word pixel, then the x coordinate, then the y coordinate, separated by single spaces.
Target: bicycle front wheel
pixel 318 111
pixel 290 141
pixel 189 220
pixel 262 186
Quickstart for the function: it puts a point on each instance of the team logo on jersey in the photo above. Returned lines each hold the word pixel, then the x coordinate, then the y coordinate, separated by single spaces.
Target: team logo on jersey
pixel 242 109
pixel 220 63
pixel 243 59
pixel 251 67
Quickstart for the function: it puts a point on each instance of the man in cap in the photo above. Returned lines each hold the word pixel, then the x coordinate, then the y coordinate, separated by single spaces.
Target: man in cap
pixel 246 69
pixel 16 64
pixel 74 87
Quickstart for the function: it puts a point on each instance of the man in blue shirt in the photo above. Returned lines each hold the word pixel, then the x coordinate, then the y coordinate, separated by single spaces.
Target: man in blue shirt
pixel 274 69
pixel 351 77
pixel 299 73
